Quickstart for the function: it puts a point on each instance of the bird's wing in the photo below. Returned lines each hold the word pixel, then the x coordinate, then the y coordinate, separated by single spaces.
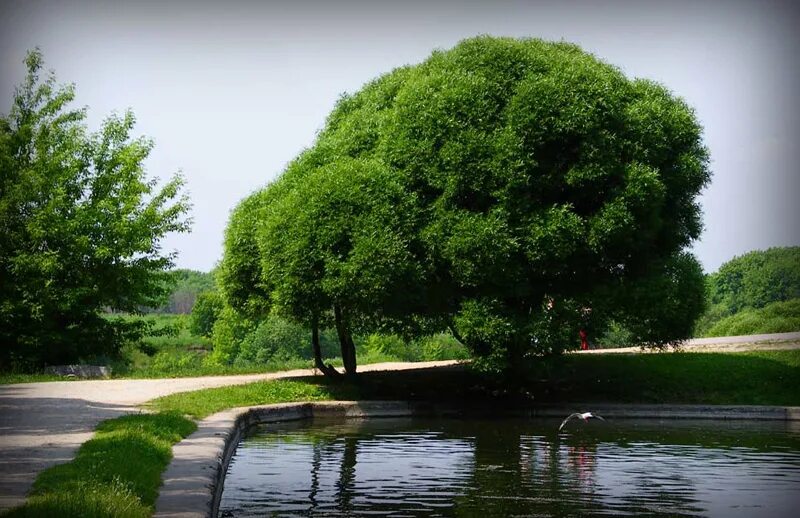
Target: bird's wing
pixel 598 417
pixel 576 414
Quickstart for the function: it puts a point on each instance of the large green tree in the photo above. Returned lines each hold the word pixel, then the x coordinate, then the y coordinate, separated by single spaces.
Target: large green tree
pixel 544 191
pixel 80 226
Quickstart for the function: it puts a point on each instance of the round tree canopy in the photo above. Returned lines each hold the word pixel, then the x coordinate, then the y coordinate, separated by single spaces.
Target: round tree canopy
pixel 520 190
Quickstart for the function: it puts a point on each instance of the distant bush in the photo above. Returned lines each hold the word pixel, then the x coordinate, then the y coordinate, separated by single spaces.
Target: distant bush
pixel 174 363
pixel 227 334
pixel 778 317
pixel 388 346
pixel 442 346
pixel 205 312
pixel 184 286
pixel 275 338
pixel 615 336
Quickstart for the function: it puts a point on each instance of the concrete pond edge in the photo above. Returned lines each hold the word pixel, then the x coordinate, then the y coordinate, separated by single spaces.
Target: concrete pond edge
pixel 193 482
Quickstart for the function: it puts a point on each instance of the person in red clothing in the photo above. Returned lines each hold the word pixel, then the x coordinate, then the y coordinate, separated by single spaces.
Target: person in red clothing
pixel 585 313
pixel 584 340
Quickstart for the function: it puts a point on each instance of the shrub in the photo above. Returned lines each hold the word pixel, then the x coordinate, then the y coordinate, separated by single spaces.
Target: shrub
pixel 442 346
pixel 277 339
pixel 227 334
pixel 205 313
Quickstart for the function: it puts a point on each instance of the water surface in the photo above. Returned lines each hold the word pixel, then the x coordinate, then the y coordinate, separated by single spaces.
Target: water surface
pixel 514 467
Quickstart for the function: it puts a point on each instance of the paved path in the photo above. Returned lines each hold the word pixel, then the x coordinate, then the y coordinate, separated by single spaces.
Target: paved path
pixel 776 341
pixel 42 424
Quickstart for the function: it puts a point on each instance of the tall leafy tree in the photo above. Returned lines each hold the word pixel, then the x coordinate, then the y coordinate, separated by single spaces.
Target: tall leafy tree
pixel 80 226
pixel 550 194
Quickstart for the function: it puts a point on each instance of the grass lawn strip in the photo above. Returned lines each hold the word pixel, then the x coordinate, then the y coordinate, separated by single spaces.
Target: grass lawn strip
pixel 118 472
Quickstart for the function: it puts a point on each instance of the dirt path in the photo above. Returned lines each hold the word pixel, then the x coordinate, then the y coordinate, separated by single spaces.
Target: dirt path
pixel 729 344
pixel 42 424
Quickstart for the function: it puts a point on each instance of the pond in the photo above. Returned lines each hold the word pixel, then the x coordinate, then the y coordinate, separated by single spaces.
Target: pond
pixel 515 467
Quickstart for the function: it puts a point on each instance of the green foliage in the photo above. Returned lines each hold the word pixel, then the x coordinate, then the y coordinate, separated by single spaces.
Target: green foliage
pixel 471 190
pixel 243 287
pixel 751 281
pixel 389 347
pixel 615 335
pixel 229 331
pixel 441 346
pixel 339 237
pixel 184 288
pixel 81 227
pixel 275 338
pixel 777 317
pixel 756 279
pixel 205 312
pixel 116 473
pixel 385 346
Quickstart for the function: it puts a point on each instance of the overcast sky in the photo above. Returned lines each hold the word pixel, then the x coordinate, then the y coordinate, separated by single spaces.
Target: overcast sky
pixel 232 91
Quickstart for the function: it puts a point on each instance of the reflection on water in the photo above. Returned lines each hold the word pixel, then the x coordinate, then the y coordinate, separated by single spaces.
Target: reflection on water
pixel 504 467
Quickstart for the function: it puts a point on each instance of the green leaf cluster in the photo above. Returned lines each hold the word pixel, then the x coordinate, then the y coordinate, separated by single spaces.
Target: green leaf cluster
pixel 80 226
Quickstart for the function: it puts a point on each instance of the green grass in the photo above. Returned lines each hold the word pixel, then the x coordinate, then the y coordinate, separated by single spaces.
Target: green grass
pixel 184 366
pixel 201 403
pixel 16 377
pixel 116 473
pixel 748 378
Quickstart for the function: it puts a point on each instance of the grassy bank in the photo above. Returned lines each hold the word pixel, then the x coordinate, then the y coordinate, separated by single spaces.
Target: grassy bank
pixel 118 472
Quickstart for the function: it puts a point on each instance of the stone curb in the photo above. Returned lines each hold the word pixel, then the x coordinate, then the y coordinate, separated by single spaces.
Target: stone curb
pixel 193 482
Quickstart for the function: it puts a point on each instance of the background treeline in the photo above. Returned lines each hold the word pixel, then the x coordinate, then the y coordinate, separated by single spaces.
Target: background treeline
pixel 758 292
pixel 185 286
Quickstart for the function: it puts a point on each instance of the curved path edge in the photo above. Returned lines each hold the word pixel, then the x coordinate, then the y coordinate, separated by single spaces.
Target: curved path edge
pixel 193 482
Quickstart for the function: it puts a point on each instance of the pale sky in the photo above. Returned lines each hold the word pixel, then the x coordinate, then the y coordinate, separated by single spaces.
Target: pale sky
pixel 232 91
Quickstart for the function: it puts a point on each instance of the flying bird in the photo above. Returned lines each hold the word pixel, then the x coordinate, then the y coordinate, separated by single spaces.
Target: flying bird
pixel 585 416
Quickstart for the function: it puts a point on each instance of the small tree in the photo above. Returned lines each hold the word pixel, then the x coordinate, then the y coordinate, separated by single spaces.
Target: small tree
pixel 80 224
pixel 341 244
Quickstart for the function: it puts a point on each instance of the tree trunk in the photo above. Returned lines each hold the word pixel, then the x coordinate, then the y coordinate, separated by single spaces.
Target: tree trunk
pixel 345 341
pixel 455 334
pixel 327 370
